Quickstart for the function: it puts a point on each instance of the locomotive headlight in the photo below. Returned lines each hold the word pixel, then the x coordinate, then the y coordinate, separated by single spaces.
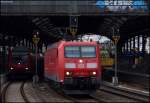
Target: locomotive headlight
pixel 67 73
pixel 11 68
pixel 94 73
pixel 26 68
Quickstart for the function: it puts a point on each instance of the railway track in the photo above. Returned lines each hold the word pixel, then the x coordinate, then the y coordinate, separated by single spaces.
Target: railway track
pixel 37 91
pixel 139 97
pixel 97 98
pixel 23 93
pixel 83 98
pixel 102 95
pixel 94 97
pixel 3 94
pixel 79 98
pixel 8 86
pixel 76 98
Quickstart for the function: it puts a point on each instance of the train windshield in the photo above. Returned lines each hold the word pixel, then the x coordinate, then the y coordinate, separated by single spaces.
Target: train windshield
pixel 19 59
pixel 80 51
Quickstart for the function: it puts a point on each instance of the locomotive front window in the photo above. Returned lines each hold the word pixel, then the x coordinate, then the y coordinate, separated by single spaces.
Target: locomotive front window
pixel 19 59
pixel 88 51
pixel 80 51
pixel 72 51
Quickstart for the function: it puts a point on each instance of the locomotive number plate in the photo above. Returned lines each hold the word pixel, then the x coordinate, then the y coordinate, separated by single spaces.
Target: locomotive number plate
pixel 80 65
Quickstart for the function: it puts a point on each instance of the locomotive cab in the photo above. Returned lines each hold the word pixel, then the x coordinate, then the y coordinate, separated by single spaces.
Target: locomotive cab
pixel 81 67
pixel 73 65
pixel 20 62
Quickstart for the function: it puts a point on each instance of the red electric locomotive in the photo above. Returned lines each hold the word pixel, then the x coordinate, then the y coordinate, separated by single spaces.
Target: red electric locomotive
pixel 74 65
pixel 20 62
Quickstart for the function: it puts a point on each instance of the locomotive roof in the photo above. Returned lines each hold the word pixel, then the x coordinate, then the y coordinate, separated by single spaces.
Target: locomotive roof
pixel 80 42
pixel 55 45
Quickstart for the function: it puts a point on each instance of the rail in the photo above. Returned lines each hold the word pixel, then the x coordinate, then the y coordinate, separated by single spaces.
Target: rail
pixel 23 93
pixel 3 94
pixel 128 93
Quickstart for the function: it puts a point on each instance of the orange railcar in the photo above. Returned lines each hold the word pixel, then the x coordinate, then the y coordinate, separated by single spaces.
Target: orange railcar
pixel 73 65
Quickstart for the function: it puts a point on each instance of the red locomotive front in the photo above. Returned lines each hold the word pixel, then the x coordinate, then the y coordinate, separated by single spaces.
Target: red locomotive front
pixel 74 65
pixel 20 62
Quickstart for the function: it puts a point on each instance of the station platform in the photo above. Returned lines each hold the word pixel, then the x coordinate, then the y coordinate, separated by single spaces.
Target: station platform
pixel 127 87
pixel 131 73
pixel 127 77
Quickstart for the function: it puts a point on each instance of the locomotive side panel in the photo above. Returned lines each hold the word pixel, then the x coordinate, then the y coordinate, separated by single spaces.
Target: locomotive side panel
pixel 46 63
pixel 61 62
pixel 51 64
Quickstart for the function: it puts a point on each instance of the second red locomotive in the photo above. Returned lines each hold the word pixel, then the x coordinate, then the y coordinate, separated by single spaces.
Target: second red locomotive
pixel 20 62
pixel 74 65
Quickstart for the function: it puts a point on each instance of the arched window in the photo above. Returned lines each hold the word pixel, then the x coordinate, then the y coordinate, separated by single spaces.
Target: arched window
pixel 141 42
pixel 125 46
pixel 147 45
pixel 129 45
pixel 132 43
pixel 136 41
